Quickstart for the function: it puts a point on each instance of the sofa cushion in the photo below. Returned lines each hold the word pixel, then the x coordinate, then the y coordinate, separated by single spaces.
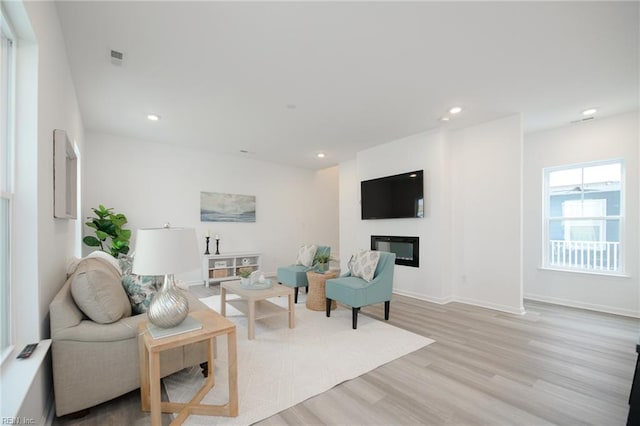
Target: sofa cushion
pixel 97 290
pixel 364 264
pixel 306 254
pixel 141 289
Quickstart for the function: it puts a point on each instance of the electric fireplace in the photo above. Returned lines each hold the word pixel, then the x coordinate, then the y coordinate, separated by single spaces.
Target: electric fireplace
pixel 407 249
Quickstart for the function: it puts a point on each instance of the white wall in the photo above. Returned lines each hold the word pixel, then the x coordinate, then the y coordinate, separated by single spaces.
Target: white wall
pixel 467 174
pixel 156 183
pixel 600 139
pixel 487 214
pixel 45 101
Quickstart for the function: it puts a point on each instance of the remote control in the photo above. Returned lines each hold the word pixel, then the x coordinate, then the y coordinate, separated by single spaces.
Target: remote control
pixel 27 351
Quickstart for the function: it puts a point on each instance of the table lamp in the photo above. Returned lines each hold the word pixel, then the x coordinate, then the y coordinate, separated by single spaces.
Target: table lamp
pixel 166 251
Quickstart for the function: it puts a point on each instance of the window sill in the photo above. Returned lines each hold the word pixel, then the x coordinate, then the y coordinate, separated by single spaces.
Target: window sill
pixel 577 271
pixel 17 376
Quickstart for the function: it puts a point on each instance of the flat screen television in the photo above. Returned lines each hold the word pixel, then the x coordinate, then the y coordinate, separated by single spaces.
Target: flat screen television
pixel 393 197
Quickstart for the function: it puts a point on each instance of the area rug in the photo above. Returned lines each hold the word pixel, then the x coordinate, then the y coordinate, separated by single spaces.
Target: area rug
pixel 283 367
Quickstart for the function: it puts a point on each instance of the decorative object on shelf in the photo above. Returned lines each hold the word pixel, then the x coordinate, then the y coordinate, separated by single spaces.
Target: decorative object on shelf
pixel 166 251
pixel 107 224
pixel 217 244
pixel 217 207
pixel 207 241
pixel 245 260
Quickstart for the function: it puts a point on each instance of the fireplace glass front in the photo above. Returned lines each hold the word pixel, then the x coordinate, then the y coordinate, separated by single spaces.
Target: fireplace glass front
pixel 407 249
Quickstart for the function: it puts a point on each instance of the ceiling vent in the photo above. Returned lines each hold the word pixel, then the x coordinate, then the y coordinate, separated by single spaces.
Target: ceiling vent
pixel 116 57
pixel 580 120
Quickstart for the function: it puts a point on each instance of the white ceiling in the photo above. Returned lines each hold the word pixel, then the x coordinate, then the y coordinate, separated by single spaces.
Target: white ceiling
pixel 287 80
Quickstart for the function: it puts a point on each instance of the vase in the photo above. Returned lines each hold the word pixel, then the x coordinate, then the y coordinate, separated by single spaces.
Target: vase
pixel 322 267
pixel 169 307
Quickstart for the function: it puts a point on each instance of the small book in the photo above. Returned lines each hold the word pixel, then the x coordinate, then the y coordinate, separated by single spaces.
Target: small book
pixel 189 324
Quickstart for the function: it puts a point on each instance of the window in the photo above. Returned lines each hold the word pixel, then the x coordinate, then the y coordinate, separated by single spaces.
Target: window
pixel 584 217
pixel 6 187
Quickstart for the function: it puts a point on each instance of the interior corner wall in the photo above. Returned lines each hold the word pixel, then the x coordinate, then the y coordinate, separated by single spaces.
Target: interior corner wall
pixel 600 139
pixel 153 183
pixel 487 214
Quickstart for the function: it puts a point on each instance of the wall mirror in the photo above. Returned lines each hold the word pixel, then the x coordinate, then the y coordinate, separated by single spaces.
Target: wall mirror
pixel 65 177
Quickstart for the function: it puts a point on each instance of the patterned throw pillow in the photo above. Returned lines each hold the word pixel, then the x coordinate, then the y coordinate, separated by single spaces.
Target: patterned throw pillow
pixel 141 289
pixel 126 263
pixel 364 264
pixel 306 255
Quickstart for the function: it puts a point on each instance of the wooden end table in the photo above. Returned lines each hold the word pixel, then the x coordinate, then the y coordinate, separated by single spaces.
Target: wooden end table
pixel 317 299
pixel 254 303
pixel 213 324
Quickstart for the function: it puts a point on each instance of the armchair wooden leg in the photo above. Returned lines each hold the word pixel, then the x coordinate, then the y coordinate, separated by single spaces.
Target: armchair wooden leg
pixel 328 304
pixel 387 305
pixel 354 317
pixel 295 297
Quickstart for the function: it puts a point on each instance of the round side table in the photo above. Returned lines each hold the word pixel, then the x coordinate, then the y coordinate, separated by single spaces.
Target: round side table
pixel 316 299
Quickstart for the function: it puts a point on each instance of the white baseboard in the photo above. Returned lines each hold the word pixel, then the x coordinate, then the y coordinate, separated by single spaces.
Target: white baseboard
pixel 419 296
pixel 582 305
pixel 449 299
pixel 489 305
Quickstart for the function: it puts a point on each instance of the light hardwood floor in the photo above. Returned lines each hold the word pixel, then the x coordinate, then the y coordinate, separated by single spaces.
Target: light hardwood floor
pixel 553 365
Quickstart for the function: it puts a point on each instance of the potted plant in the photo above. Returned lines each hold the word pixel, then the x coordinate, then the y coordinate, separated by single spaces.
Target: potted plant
pixel 108 225
pixel 244 276
pixel 322 263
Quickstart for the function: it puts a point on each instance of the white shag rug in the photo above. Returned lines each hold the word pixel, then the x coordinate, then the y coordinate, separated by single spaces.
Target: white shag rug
pixel 283 367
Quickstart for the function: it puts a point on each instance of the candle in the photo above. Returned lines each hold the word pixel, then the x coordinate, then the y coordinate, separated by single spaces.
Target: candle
pixel 208 233
pixel 217 237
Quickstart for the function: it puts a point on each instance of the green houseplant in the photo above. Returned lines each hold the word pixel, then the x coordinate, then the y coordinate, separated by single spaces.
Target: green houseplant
pixel 322 262
pixel 108 225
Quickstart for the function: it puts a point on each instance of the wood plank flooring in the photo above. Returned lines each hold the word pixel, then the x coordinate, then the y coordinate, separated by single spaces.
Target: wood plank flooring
pixel 553 365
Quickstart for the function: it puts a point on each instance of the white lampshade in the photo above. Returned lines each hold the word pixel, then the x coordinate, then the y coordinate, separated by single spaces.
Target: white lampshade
pixel 162 251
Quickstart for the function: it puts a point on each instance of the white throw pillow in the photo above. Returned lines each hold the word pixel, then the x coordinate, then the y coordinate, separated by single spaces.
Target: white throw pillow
pixel 364 264
pixel 306 254
pixel 106 257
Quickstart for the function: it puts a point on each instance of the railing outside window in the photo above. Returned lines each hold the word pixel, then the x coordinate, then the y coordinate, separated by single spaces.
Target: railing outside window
pixel 585 255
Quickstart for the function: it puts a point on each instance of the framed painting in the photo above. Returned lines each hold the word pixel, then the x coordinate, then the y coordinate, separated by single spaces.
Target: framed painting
pixel 218 207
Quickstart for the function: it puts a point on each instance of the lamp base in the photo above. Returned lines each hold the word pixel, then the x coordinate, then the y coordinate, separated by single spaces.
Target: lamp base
pixel 169 306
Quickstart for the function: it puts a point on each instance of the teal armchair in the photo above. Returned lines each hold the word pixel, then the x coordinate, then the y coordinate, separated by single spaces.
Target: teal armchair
pixel 296 275
pixel 356 292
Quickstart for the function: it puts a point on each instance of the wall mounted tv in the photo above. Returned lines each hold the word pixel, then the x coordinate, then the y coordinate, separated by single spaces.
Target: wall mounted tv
pixel 393 197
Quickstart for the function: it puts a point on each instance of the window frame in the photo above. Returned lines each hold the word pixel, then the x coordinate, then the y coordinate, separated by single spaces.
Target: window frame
pixel 547 218
pixel 7 164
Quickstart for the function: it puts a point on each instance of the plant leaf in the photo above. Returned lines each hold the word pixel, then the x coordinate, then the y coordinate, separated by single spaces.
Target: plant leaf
pixel 91 241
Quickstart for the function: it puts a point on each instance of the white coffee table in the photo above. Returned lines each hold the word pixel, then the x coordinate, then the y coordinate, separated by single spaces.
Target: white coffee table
pixel 254 303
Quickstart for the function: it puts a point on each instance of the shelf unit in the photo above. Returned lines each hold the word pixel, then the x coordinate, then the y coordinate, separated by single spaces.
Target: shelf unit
pixel 225 267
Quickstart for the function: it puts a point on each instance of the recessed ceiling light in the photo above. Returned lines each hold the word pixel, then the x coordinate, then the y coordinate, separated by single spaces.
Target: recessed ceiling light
pixel 244 151
pixel 589 111
pixel 455 110
pixel 320 155
pixel 444 119
pixel 291 106
pixel 153 117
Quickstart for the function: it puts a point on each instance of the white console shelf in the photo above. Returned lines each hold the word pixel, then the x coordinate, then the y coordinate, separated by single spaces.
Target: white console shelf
pixel 224 267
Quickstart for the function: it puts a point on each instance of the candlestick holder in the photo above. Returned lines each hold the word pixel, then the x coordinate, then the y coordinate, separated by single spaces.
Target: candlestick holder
pixel 217 245
pixel 207 250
